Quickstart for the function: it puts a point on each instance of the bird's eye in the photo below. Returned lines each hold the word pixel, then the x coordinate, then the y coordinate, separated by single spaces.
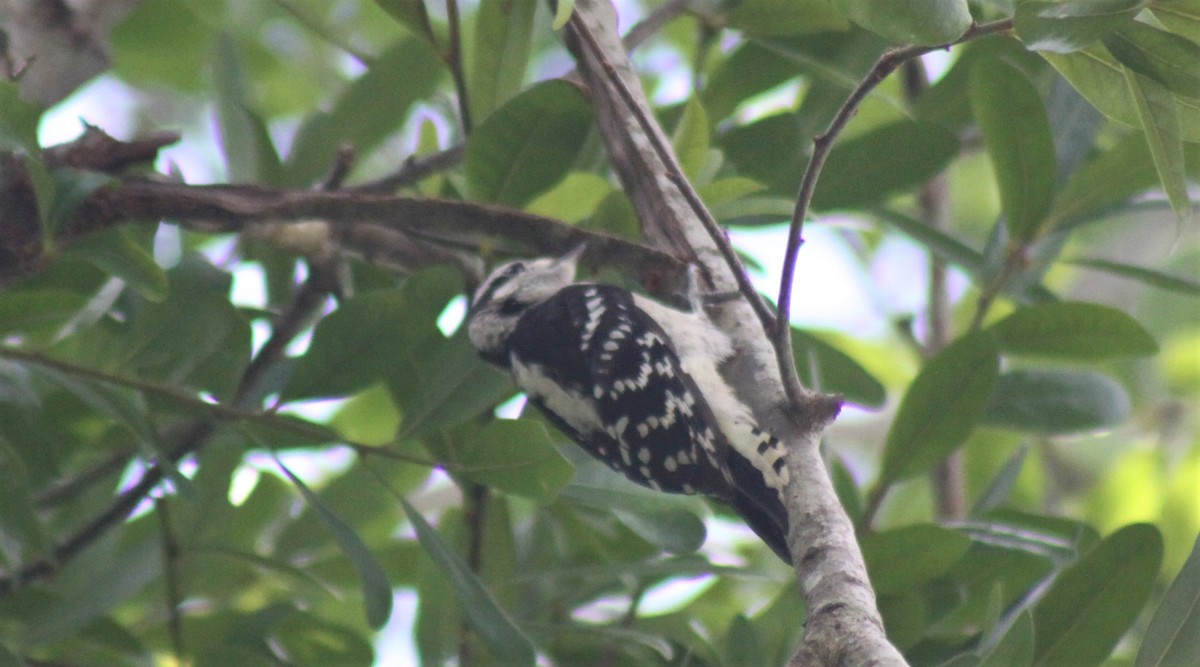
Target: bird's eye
pixel 511 307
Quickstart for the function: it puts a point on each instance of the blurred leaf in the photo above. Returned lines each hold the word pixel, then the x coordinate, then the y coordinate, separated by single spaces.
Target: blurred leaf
pixel 573 199
pixel 1063 27
pixel 1055 402
pixel 37 313
pixel 926 22
pixel 1001 486
pixel 250 155
pixel 359 344
pixel 1160 120
pixel 449 386
pixel 369 417
pixel 503 36
pixel 667 521
pixel 377 592
pixel 164 42
pixel 867 169
pixel 1179 16
pixel 516 456
pixel 1171 636
pixel 307 639
pixel 1108 179
pixel 115 252
pixel 21 536
pixel 508 644
pixel 824 367
pixel 82 601
pixel 1156 54
pixel 371 107
pixel 938 242
pixel 690 138
pixel 1015 649
pixel 1073 330
pixel 902 559
pixel 744 644
pixel 562 13
pixel 785 17
pixel 1019 141
pixel 1151 277
pixel 753 211
pixel 941 407
pixel 18 121
pixel 1101 79
pixel 1094 601
pixel 526 146
pixel 769 150
pixel 751 68
pixel 411 14
pixel 15 387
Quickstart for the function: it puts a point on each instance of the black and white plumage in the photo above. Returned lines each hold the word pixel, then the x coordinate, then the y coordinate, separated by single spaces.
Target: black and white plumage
pixel 635 383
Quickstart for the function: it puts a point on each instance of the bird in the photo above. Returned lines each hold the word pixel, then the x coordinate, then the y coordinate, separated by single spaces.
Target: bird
pixel 635 383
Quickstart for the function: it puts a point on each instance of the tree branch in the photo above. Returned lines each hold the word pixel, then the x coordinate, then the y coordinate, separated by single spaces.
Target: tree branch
pixel 843 623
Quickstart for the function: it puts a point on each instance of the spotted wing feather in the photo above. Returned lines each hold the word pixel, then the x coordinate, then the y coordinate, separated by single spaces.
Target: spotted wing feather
pixel 594 341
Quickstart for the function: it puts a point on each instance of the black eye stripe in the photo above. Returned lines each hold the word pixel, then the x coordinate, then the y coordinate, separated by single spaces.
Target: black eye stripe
pixel 499 281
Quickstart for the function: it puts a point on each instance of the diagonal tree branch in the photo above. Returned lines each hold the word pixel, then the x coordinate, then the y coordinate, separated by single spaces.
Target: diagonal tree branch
pixel 843 625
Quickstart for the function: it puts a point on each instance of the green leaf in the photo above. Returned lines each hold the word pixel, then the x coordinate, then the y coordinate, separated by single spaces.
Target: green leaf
pixel 1101 79
pixel 938 242
pixel 1017 132
pixel 369 417
pixel 376 590
pixel 18 121
pixel 1181 17
pixel 760 18
pixel 411 14
pixel 941 407
pixel 1055 402
pixel 823 366
pixel 1073 330
pixel 691 141
pixel 1160 120
pixel 562 13
pixel 503 37
pixel 926 22
pixel 37 313
pixel 115 252
pixel 250 155
pixel 71 188
pixel 1107 180
pixel 1151 277
pixel 1094 601
pixel 1156 54
pixel 673 529
pixel 83 600
pixel 1015 649
pixel 360 343
pixel 744 643
pixel 902 559
pixel 448 385
pixel 894 158
pixel 370 109
pixel 507 642
pixel 1171 636
pixel 516 456
pixel 21 536
pixel 164 42
pixel 307 639
pixel 573 199
pixel 1001 486
pixel 1063 27
pixel 527 145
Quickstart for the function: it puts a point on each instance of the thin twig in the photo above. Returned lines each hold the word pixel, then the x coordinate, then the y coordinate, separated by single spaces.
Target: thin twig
pixel 412 170
pixel 666 156
pixel 173 591
pixel 823 144
pixel 454 59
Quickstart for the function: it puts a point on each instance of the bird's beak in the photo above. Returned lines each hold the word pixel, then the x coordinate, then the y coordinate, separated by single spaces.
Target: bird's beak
pixel 573 255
